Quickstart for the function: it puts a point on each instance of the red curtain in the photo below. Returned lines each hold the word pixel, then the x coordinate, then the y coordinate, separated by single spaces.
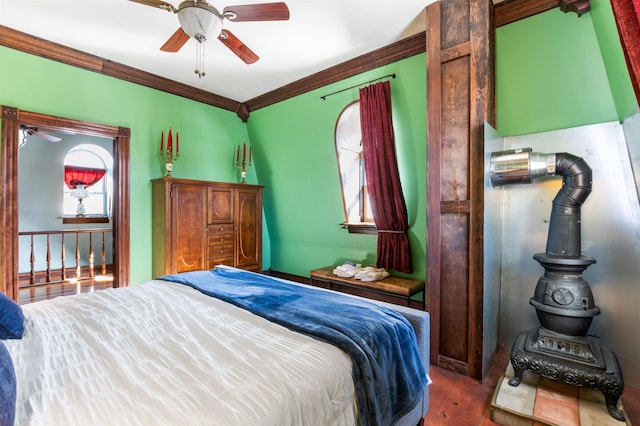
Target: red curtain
pixel 76 175
pixel 383 178
pixel 627 14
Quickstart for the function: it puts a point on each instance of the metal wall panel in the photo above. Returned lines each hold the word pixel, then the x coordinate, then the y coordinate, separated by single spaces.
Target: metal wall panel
pixel 493 217
pixel 610 234
pixel 631 129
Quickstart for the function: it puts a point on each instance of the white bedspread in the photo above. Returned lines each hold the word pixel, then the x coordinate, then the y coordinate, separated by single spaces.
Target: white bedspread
pixel 161 353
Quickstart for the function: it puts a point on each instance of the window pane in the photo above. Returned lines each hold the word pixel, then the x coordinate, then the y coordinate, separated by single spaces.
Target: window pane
pixel 348 141
pixel 99 199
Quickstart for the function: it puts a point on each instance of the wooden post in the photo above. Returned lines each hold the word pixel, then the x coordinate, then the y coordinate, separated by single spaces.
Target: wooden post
pixel 460 86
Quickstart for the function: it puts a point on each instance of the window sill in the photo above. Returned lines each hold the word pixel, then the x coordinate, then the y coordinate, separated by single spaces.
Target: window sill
pixel 86 219
pixel 360 228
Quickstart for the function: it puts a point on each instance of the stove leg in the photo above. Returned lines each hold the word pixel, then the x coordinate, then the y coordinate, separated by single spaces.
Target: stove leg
pixel 612 405
pixel 519 361
pixel 517 376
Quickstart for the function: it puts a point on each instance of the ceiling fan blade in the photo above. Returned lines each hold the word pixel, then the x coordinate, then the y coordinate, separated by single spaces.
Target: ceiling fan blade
pixel 257 12
pixel 47 136
pixel 33 131
pixel 237 47
pixel 176 41
pixel 157 3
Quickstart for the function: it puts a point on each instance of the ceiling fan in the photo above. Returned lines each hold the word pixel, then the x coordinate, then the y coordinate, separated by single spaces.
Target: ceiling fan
pixel 33 131
pixel 200 20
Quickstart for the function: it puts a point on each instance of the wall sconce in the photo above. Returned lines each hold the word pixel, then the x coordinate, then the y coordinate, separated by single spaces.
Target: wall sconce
pixel 241 162
pixel 167 154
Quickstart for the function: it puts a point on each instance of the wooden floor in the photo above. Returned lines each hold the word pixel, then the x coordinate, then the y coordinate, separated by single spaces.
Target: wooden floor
pixel 459 400
pixel 49 291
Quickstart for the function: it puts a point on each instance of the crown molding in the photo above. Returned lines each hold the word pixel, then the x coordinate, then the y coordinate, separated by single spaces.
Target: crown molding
pixel 47 49
pixel 504 12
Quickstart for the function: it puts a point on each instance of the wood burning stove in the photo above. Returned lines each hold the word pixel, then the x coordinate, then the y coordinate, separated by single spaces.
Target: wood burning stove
pixel 560 348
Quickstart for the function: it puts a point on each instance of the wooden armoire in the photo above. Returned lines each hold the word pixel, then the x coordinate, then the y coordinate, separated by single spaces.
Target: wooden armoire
pixel 200 224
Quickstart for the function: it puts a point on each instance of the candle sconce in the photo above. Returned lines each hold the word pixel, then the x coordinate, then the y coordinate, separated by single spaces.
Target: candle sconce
pixel 242 162
pixel 168 155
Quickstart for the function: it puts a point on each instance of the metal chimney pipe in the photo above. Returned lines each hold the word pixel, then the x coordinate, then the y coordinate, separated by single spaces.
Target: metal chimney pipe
pixel 520 166
pixel 523 166
pixel 564 228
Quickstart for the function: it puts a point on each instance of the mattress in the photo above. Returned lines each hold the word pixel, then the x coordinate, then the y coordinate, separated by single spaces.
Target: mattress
pixel 163 353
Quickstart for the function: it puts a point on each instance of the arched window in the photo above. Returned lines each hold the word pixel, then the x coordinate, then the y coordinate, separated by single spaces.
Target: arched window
pixel 88 181
pixel 348 140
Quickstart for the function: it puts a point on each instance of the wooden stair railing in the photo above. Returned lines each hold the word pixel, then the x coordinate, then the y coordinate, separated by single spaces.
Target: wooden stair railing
pixel 46 275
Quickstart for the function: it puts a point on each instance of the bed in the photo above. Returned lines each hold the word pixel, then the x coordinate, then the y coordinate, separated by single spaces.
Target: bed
pixel 220 347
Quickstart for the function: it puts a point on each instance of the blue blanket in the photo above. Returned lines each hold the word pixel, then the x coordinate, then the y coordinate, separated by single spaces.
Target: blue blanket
pixel 387 369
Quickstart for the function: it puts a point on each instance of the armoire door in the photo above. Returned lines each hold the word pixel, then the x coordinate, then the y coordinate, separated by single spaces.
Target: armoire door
pixel 249 229
pixel 189 227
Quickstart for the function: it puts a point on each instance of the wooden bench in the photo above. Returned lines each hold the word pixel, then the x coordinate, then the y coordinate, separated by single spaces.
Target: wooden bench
pixel 395 290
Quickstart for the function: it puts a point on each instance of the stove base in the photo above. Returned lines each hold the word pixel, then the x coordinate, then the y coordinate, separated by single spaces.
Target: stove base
pixel 576 361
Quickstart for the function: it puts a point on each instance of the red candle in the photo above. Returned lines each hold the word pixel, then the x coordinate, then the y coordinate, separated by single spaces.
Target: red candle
pixel 169 141
pixel 177 142
pixel 238 155
pixel 244 153
pixel 250 154
pixel 161 140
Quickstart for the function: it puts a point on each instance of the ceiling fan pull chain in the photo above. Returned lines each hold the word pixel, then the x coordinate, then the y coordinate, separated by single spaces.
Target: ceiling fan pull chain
pixel 200 59
pixel 197 70
pixel 202 74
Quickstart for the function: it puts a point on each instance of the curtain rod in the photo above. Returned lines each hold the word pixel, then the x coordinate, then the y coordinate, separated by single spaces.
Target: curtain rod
pixel 324 97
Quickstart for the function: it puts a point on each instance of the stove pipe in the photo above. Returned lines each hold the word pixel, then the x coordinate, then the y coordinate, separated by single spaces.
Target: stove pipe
pixel 523 166
pixel 563 300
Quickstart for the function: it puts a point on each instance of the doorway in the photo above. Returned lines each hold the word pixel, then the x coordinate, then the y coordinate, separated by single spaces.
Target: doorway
pixel 12 120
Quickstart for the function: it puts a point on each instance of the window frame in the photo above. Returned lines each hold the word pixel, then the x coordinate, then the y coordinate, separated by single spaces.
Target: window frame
pixel 366 224
pixel 106 188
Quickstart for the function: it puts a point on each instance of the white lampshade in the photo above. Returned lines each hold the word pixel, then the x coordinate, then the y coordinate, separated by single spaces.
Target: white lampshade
pixel 80 192
pixel 199 19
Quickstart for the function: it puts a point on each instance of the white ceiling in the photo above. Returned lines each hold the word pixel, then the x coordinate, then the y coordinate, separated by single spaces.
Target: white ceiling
pixel 318 35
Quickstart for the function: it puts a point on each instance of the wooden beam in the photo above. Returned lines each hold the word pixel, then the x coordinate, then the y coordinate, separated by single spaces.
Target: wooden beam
pixel 46 49
pixel 394 52
pixel 504 12
pixel 510 11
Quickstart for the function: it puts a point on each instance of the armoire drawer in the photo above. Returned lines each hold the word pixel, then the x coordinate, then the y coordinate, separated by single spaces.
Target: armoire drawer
pixel 219 239
pixel 212 263
pixel 219 251
pixel 220 228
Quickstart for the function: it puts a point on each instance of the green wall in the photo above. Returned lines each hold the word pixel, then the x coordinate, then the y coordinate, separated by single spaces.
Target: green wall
pixel 553 71
pixel 208 135
pixel 556 70
pixel 293 149
pixel 295 159
pixel 614 62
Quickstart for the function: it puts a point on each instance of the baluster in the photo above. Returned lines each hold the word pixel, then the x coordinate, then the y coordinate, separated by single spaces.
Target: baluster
pixel 63 269
pixel 32 260
pixel 38 274
pixel 91 255
pixel 48 279
pixel 78 272
pixel 104 257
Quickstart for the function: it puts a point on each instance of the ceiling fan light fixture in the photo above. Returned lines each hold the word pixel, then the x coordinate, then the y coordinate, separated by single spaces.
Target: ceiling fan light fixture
pixel 199 19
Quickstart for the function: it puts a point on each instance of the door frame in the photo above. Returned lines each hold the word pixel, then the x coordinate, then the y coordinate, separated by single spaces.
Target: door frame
pixel 11 120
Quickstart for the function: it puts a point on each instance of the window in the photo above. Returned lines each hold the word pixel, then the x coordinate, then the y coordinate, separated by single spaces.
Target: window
pixel 97 198
pixel 348 139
